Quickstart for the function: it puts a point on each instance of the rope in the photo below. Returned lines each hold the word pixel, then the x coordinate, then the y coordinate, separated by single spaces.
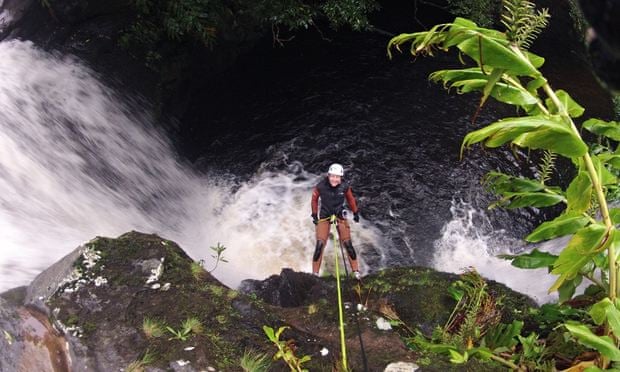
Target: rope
pixel 343 346
pixel 357 323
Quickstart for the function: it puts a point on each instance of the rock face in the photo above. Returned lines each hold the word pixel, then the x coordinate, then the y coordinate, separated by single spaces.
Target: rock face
pixel 138 301
pixel 28 342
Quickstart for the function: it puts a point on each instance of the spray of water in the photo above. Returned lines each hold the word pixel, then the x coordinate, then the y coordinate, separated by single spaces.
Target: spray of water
pixel 78 161
pixel 468 240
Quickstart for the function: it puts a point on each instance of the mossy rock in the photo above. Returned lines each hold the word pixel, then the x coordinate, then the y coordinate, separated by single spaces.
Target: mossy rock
pixel 137 276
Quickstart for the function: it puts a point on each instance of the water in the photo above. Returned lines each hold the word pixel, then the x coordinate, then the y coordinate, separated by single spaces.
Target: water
pixel 469 241
pixel 78 160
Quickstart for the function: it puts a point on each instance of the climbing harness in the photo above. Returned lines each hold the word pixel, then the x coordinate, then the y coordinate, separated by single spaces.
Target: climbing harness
pixel 343 347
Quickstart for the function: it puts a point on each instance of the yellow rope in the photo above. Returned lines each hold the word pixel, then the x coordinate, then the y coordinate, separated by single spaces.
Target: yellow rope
pixel 343 347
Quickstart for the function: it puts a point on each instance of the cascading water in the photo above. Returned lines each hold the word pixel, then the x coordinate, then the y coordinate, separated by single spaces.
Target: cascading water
pixel 77 161
pixel 469 240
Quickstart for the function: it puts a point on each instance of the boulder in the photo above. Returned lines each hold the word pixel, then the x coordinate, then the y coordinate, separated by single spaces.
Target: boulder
pixel 139 301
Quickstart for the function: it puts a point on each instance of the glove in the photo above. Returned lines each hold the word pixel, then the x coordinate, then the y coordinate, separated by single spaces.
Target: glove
pixel 356 217
pixel 315 218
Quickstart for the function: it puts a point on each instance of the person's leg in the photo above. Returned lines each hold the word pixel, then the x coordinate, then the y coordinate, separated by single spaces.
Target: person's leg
pixel 322 233
pixel 344 234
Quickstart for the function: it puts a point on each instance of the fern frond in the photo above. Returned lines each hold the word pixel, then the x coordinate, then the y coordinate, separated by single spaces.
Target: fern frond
pixel 546 166
pixel 523 22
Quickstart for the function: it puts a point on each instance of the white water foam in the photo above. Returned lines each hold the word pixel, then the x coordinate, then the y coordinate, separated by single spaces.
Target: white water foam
pixel 468 240
pixel 76 162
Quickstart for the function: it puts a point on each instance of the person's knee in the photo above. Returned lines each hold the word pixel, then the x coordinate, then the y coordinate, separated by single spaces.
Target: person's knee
pixel 318 251
pixel 350 250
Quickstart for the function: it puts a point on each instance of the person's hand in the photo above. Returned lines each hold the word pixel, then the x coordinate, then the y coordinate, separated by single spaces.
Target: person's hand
pixel 315 218
pixel 356 217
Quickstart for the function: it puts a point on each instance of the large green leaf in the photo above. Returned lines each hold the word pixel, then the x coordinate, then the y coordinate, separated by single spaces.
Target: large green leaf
pixel 604 175
pixel 503 131
pixel 603 344
pixel 567 289
pixel 611 159
pixel 501 183
pixel 554 137
pixel 533 260
pixel 561 226
pixel 609 129
pixel 572 108
pixel 531 199
pixel 581 248
pixel 536 60
pixel 614 213
pixel 530 131
pixel 473 79
pixel 579 193
pixel 487 51
pixel 605 310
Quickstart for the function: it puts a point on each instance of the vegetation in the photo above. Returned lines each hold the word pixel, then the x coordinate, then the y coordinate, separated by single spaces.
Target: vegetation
pixel 504 69
pixel 482 11
pixel 286 351
pixel 189 326
pixel 162 25
pixel 219 255
pixel 140 365
pixel 252 361
pixel 152 328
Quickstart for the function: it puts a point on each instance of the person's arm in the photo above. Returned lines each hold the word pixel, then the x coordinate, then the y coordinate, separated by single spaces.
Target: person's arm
pixel 314 204
pixel 351 200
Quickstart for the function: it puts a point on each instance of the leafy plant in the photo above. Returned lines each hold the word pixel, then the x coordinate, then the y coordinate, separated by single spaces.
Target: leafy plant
pixel 219 255
pixel 190 325
pixel 475 311
pixel 152 328
pixel 505 70
pixel 474 331
pixel 141 364
pixel 285 350
pixel 252 361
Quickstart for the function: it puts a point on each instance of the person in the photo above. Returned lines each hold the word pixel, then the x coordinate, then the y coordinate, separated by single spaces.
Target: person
pixel 332 191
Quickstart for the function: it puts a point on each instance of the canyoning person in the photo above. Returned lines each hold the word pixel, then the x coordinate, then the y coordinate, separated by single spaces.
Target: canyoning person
pixel 331 193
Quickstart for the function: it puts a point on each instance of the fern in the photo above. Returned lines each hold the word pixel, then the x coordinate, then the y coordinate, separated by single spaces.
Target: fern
pixel 523 22
pixel 546 166
pixel 475 312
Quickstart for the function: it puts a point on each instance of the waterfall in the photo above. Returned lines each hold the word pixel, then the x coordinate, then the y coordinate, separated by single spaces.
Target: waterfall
pixel 78 160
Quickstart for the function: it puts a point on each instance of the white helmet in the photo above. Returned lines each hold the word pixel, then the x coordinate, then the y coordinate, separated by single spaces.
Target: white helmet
pixel 336 170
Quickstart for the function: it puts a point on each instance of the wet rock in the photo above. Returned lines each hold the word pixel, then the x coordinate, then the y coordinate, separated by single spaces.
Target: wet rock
pixel 11 12
pixel 289 289
pixel 28 342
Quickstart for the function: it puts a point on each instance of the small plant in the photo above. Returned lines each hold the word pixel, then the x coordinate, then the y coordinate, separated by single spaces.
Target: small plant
pixel 219 255
pixel 285 350
pixel 253 361
pixel 152 328
pixel 194 325
pixel 140 365
pixel 190 325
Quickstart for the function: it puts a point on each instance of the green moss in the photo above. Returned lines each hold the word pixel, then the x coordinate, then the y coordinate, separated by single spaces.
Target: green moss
pixel 72 320
pixel 89 327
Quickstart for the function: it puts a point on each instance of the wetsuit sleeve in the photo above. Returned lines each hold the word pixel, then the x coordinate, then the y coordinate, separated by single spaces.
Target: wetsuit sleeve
pixel 351 200
pixel 315 201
